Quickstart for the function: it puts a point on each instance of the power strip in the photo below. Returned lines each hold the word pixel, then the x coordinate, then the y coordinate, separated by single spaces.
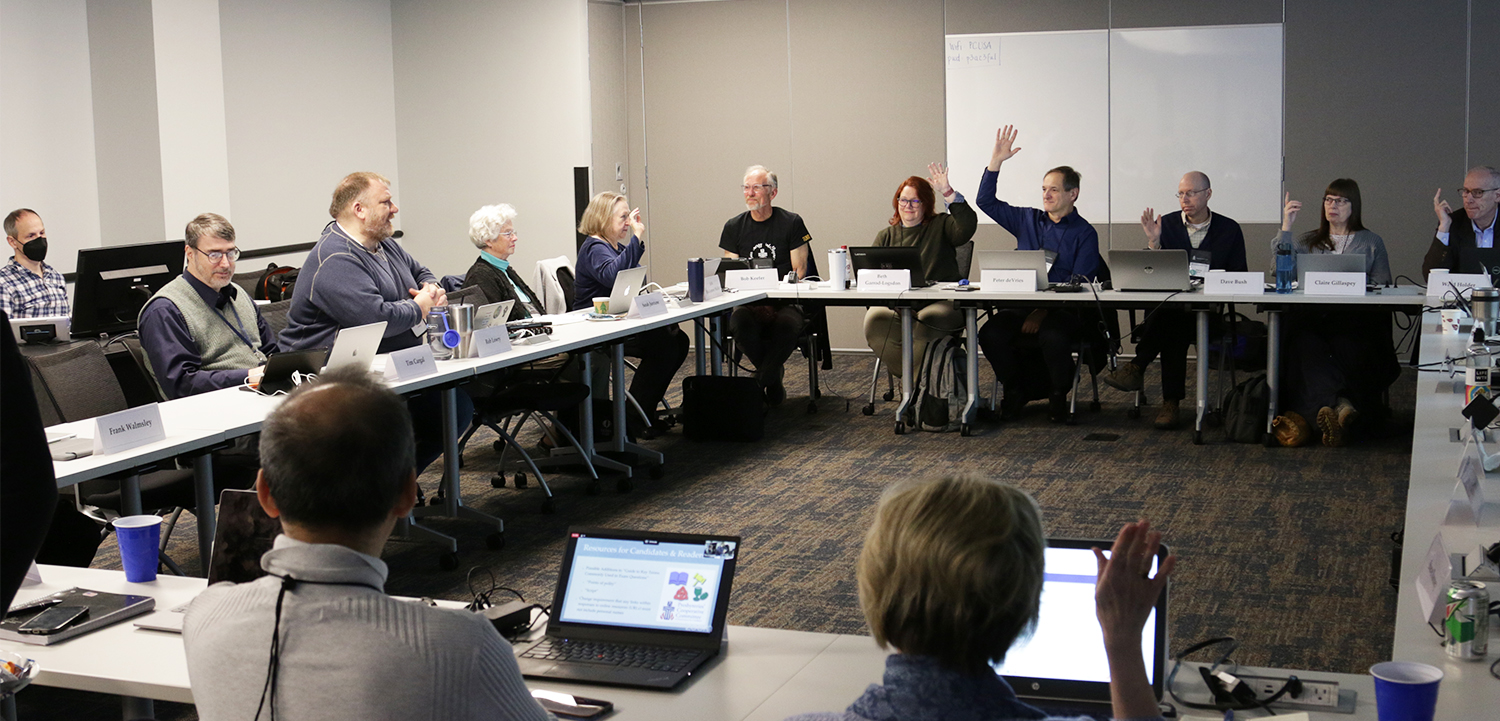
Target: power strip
pixel 1315 695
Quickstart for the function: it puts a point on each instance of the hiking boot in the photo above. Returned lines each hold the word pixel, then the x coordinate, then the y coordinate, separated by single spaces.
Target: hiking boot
pixel 1166 418
pixel 1328 423
pixel 1347 414
pixel 1128 377
pixel 1057 408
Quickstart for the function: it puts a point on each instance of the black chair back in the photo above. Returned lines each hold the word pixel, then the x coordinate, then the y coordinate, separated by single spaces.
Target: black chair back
pixel 965 255
pixel 275 315
pixel 143 366
pixel 80 383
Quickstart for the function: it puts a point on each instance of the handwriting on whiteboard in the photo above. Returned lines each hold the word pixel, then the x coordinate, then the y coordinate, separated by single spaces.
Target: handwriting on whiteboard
pixel 972 51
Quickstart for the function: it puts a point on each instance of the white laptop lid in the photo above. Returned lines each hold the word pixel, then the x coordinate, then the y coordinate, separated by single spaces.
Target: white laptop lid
pixel 356 346
pixel 1012 260
pixel 1328 263
pixel 628 283
pixel 492 314
pixel 59 323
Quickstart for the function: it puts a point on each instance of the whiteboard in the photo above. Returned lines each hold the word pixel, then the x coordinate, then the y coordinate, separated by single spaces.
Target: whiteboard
pixel 1131 110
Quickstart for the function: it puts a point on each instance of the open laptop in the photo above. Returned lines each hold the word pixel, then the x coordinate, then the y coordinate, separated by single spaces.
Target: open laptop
pixel 1062 668
pixel 1150 270
pixel 888 258
pixel 635 608
pixel 1011 260
pixel 628 283
pixel 41 330
pixel 281 369
pixel 356 346
pixel 492 314
pixel 1328 263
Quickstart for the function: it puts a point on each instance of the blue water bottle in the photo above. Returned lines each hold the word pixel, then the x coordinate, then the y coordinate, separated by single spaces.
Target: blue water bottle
pixel 1286 268
pixel 695 280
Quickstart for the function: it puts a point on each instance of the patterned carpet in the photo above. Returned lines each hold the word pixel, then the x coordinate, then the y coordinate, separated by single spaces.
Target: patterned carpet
pixel 1288 550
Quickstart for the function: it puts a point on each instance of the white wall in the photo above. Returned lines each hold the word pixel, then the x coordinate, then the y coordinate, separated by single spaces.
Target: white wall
pixel 47 127
pixel 190 112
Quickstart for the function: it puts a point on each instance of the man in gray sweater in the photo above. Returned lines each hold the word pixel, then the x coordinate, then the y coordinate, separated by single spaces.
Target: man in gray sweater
pixel 343 649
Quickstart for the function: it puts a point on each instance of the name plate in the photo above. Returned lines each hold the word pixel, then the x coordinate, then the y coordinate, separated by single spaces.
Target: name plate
pixel 409 363
pixel 758 279
pixel 711 287
pixel 1007 281
pixel 127 429
pixel 897 280
pixel 1432 581
pixel 491 341
pixel 1438 282
pixel 1234 283
pixel 1319 283
pixel 650 305
pixel 1469 472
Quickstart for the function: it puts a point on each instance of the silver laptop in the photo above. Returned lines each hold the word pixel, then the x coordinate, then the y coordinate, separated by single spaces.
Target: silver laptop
pixel 628 283
pixel 492 314
pixel 41 330
pixel 1328 263
pixel 356 346
pixel 1151 270
pixel 1011 260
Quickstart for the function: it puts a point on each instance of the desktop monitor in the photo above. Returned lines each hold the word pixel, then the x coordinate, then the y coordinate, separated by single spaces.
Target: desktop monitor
pixel 114 282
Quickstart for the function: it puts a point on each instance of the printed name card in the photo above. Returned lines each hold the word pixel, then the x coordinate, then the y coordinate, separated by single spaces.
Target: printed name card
pixel 650 305
pixel 1320 283
pixel 491 341
pixel 409 363
pixel 1469 473
pixel 897 280
pixel 711 287
pixel 758 279
pixel 1007 281
pixel 127 429
pixel 1234 284
pixel 1440 282
pixel 1432 581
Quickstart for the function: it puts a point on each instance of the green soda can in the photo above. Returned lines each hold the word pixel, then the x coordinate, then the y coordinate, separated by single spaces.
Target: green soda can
pixel 1467 621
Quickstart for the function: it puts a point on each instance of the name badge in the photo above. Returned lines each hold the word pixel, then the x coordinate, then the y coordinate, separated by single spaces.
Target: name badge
pixel 1007 281
pixel 650 305
pixel 491 341
pixel 758 279
pixel 1320 283
pixel 1440 282
pixel 712 288
pixel 1234 283
pixel 1198 263
pixel 897 280
pixel 127 429
pixel 410 363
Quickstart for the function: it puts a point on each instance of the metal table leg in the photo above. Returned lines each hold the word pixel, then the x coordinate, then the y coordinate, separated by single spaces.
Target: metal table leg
pixel 203 492
pixel 718 355
pixel 130 495
pixel 971 346
pixel 453 505
pixel 617 361
pixel 699 339
pixel 1273 372
pixel 132 708
pixel 563 456
pixel 1202 374
pixel 901 410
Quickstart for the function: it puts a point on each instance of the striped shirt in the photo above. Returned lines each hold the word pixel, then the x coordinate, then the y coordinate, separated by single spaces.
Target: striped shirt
pixel 24 294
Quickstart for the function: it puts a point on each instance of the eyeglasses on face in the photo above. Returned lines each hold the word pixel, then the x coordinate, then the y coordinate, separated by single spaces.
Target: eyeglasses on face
pixel 755 187
pixel 217 256
pixel 909 202
pixel 1474 192
pixel 1335 201
pixel 1185 194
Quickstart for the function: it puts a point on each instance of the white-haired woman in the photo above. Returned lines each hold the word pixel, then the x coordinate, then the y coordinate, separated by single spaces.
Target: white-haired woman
pixel 492 229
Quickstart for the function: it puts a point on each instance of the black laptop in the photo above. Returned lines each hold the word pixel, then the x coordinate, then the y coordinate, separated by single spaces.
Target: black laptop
pixel 889 258
pixel 635 608
pixel 283 369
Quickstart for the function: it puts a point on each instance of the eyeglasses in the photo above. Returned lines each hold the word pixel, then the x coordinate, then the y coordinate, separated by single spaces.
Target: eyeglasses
pixel 1335 201
pixel 909 202
pixel 755 187
pixel 1474 192
pixel 508 234
pixel 1185 194
pixel 217 256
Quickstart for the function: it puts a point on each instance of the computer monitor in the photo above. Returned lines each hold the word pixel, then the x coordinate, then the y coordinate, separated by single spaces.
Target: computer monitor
pixel 114 282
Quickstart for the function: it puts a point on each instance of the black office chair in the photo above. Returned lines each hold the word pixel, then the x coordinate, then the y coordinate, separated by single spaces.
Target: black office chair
pixel 275 315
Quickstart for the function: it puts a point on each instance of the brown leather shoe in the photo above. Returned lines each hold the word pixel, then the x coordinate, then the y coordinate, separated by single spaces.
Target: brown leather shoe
pixel 1166 418
pixel 1291 429
pixel 1328 423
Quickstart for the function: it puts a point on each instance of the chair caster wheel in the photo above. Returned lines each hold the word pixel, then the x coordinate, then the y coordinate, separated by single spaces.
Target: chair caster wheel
pixel 520 479
pixel 499 446
pixel 435 501
pixel 965 431
pixel 549 506
pixel 495 541
pixel 448 561
pixel 868 410
pixel 1133 413
pixel 624 485
pixel 497 480
pixel 887 396
pixel 900 428
pixel 655 473
pixel 1197 438
pixel 592 489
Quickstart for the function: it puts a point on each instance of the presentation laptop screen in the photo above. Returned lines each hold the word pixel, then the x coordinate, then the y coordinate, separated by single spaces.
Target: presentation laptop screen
pixel 1065 658
pixel 648 581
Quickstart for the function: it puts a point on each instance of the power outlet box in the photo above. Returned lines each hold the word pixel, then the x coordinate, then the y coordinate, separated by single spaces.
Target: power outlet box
pixel 1314 695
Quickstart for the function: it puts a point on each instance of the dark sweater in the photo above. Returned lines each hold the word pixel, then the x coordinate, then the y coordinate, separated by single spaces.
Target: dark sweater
pixel 1460 255
pixel 499 287
pixel 937 239
pixel 1224 242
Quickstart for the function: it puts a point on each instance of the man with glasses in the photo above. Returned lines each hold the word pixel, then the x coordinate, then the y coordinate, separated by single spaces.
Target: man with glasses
pixel 201 332
pixel 1465 239
pixel 1209 238
pixel 767 332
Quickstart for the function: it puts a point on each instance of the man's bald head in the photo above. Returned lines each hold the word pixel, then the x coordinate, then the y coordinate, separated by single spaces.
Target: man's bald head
pixel 1193 192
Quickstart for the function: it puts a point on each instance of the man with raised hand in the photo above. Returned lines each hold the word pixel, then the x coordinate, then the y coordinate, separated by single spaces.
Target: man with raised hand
pixel 1465 239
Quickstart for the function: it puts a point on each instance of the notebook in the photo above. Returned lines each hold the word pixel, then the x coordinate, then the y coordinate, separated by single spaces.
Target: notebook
pixel 888 258
pixel 1012 260
pixel 635 608
pixel 1150 270
pixel 1062 667
pixel 356 346
pixel 1328 263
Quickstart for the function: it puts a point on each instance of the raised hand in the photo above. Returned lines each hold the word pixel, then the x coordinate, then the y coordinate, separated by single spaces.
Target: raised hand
pixel 636 226
pixel 1444 213
pixel 1151 223
pixel 1005 148
pixel 937 174
pixel 1126 592
pixel 1289 212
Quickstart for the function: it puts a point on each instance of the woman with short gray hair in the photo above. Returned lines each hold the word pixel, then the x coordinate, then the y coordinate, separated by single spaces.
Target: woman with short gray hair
pixel 492 230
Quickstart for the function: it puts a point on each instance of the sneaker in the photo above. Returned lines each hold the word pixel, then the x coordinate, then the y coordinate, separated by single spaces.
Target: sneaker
pixel 1166 418
pixel 1057 408
pixel 1128 377
pixel 1347 414
pixel 1328 423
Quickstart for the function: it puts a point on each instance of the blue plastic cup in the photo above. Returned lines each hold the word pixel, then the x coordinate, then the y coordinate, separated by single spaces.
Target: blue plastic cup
pixel 140 537
pixel 1406 690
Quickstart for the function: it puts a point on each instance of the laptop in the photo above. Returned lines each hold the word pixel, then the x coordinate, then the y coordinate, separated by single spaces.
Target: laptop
pixel 628 283
pixel 888 258
pixel 46 329
pixel 1150 270
pixel 356 346
pixel 722 266
pixel 492 314
pixel 635 608
pixel 1062 667
pixel 1328 263
pixel 1012 260
pixel 282 369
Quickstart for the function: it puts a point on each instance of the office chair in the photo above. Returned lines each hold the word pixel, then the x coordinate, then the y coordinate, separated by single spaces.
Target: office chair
pixel 275 315
pixel 965 257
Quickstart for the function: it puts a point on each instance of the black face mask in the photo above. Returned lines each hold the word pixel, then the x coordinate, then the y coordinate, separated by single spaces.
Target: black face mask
pixel 36 249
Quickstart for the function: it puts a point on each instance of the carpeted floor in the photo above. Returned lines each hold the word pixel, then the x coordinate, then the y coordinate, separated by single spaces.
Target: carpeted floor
pixel 1287 550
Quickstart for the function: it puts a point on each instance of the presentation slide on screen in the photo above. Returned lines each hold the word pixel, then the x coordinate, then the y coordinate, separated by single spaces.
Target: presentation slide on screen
pixel 672 586
pixel 1068 643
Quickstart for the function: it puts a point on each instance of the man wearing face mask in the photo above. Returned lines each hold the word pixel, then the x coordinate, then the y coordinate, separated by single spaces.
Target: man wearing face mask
pixel 201 331
pixel 29 288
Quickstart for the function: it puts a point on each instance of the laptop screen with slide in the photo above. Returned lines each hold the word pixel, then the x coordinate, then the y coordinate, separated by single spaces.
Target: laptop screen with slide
pixel 1063 662
pixel 638 580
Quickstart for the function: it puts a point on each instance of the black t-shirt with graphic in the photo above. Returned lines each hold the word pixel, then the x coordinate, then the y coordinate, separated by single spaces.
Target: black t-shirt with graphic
pixel 775 238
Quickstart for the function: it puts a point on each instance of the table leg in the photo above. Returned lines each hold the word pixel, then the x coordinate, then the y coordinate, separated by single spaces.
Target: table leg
pixel 699 339
pixel 130 495
pixel 718 355
pixel 971 346
pixel 137 708
pixel 620 406
pixel 203 492
pixel 586 440
pixel 1273 371
pixel 453 506
pixel 905 370
pixel 1202 375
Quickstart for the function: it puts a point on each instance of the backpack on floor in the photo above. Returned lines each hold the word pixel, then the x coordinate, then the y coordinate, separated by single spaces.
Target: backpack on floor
pixel 1245 408
pixel 941 391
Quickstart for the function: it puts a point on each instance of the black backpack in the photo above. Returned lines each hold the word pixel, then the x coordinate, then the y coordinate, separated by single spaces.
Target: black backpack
pixel 1245 408
pixel 941 393
pixel 276 283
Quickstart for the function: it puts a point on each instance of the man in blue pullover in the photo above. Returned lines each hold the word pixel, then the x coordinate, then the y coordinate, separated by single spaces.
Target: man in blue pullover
pixel 1055 227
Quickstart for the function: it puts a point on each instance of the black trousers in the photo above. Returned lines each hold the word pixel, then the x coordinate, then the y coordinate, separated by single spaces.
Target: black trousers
pixel 767 332
pixel 1168 333
pixel 1002 341
pixel 1337 352
pixel 661 352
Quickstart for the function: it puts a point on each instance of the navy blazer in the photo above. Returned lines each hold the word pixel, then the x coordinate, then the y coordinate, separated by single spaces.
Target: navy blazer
pixel 1460 255
pixel 1224 242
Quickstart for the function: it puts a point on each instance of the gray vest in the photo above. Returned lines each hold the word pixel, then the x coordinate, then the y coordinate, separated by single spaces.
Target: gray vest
pixel 218 345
